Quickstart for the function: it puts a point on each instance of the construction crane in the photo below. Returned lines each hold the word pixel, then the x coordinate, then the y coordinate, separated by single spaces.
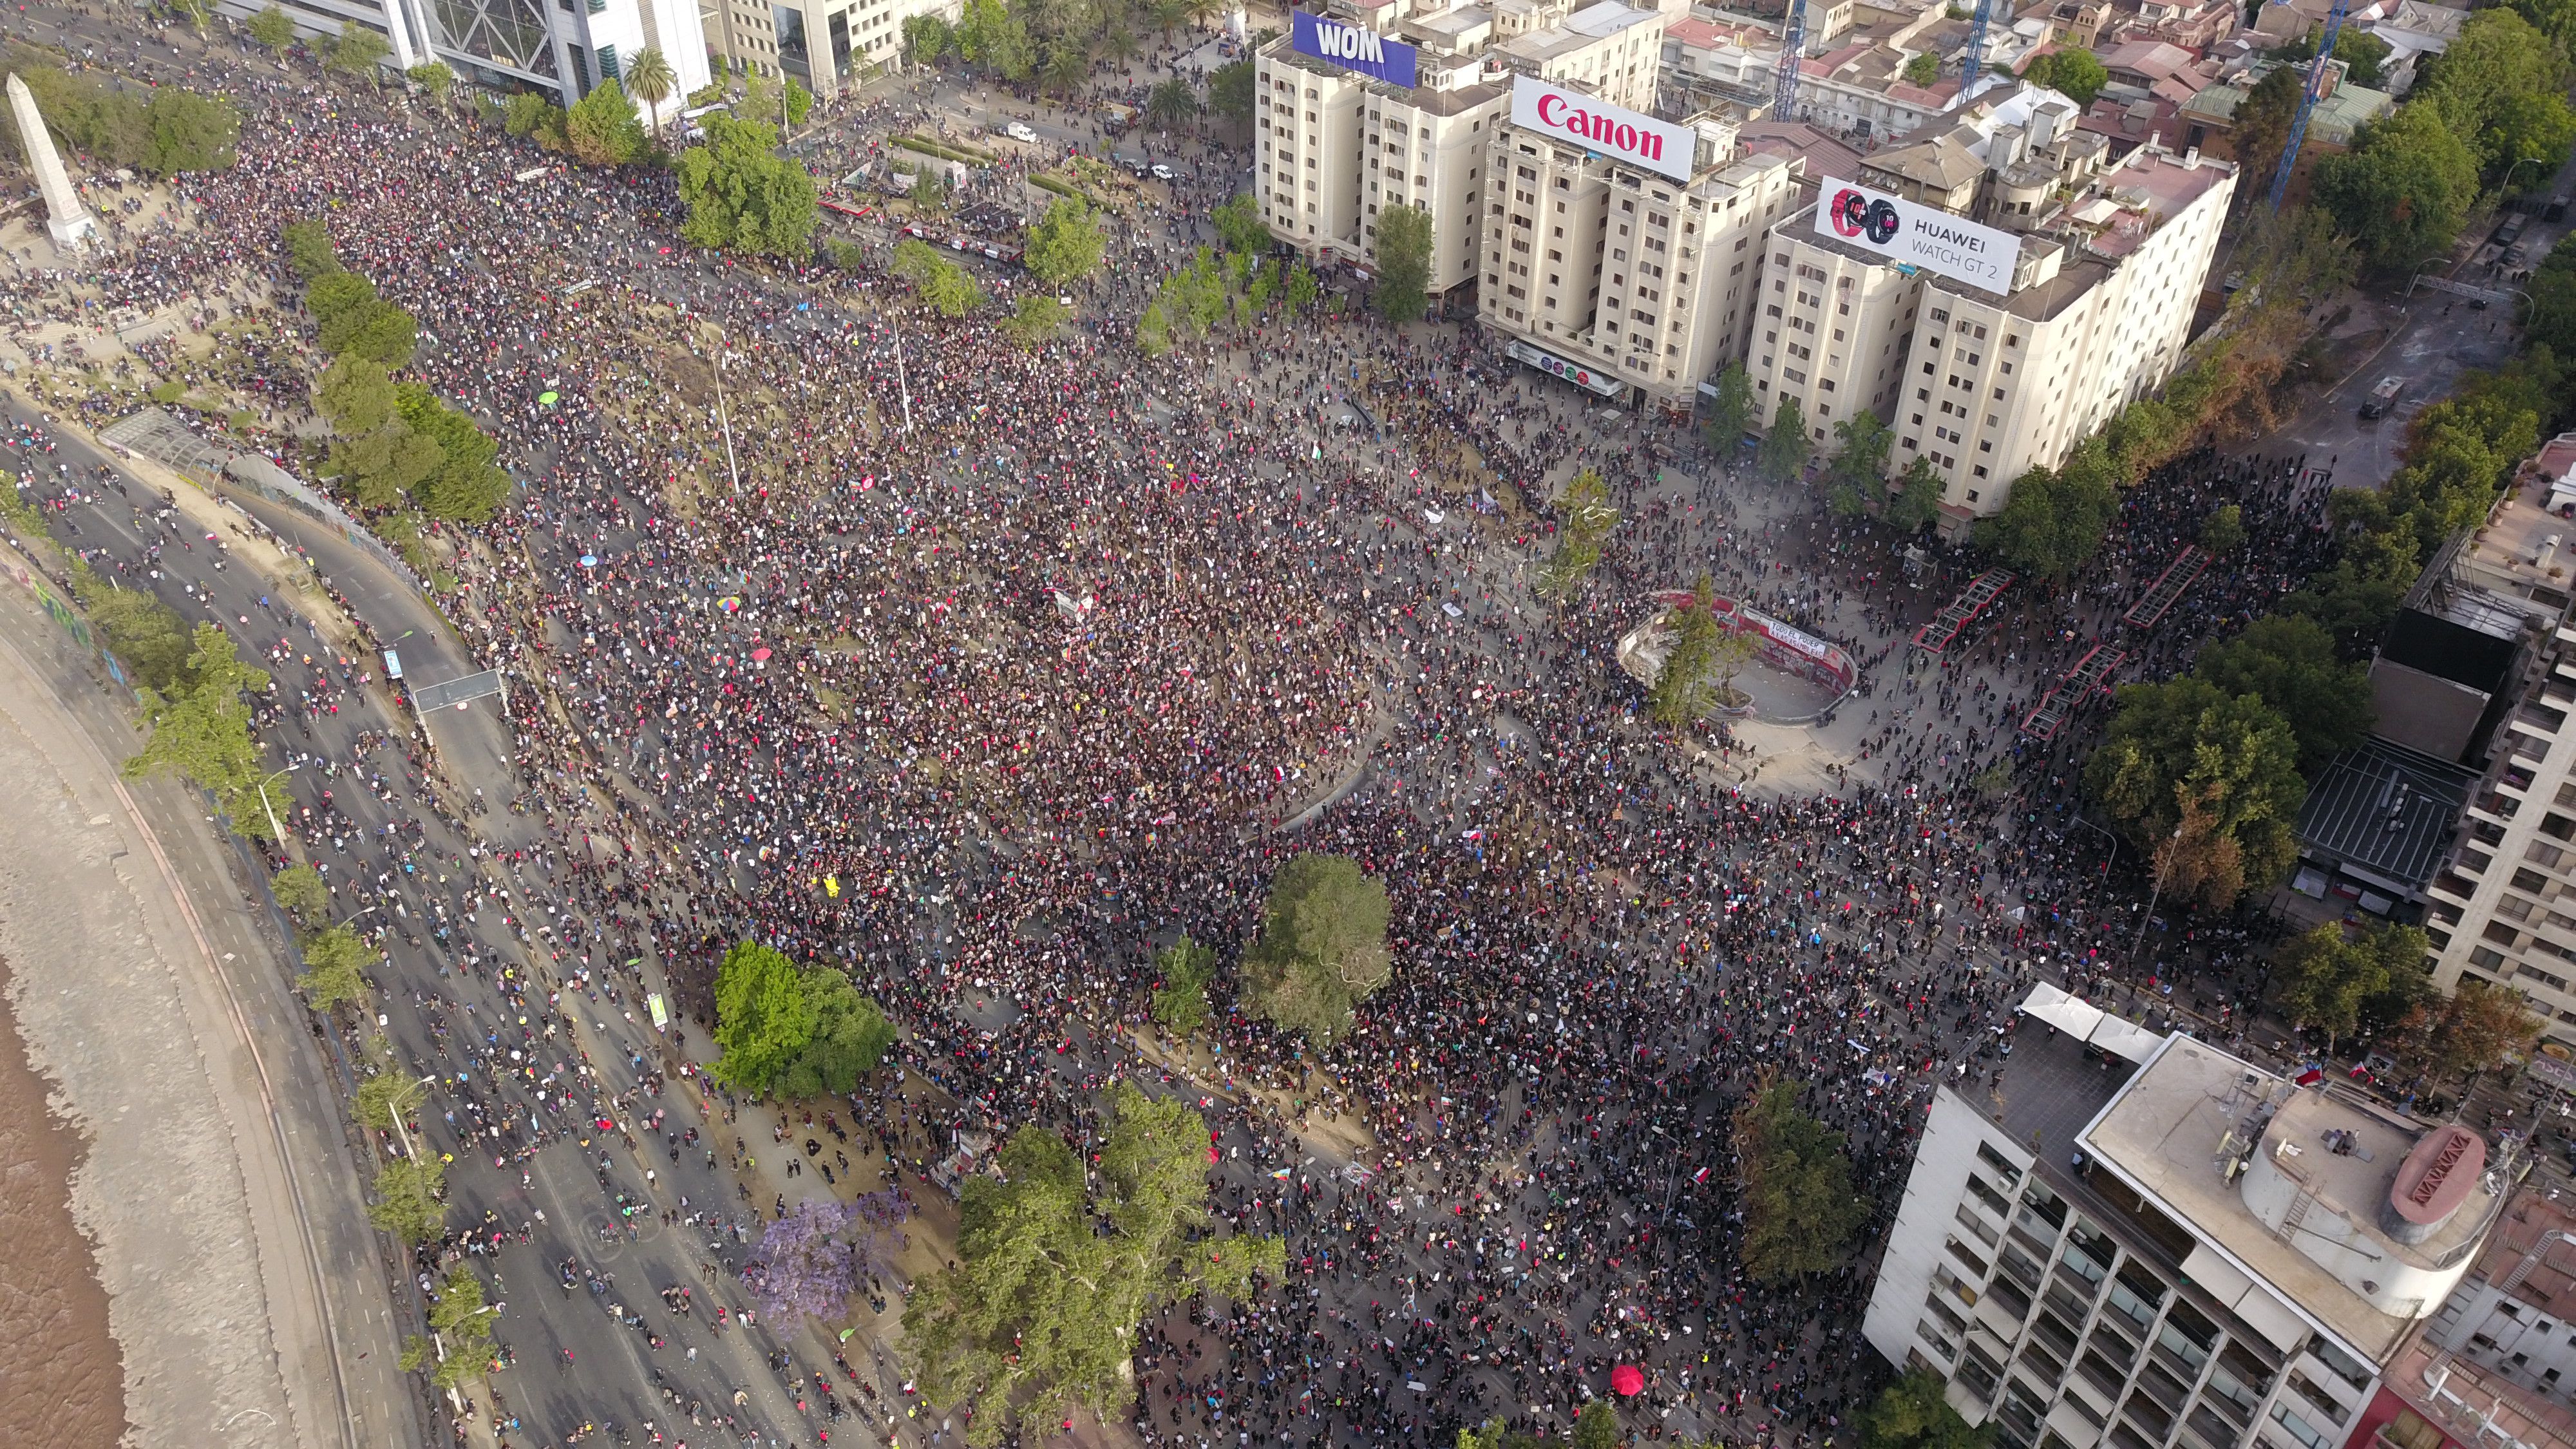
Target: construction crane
pixel 1793 39
pixel 2307 102
pixel 1973 59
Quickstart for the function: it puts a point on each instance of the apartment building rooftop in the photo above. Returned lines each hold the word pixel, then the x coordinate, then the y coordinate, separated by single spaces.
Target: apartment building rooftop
pixel 2357 1217
pixel 2387 811
pixel 1574 32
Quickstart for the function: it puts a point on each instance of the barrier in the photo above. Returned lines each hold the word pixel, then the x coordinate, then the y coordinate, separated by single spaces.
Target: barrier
pixel 1937 636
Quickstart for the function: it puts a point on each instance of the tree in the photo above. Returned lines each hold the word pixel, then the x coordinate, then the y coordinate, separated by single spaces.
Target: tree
pixel 1730 413
pixel 407 1199
pixel 462 1322
pixel 1799 1206
pixel 927 39
pixel 2403 189
pixel 1912 1413
pixel 602 129
pixel 299 891
pixel 1300 290
pixel 2289 663
pixel 2077 75
pixel 359 51
pixel 1230 90
pixel 272 28
pixel 1786 447
pixel 1184 969
pixel 2231 761
pixel 1913 499
pixel 308 248
pixel 850 1039
pixel 1171 104
pixel 1596 1427
pixel 1065 244
pixel 939 284
pixel 184 131
pixel 1403 256
pixel 1682 693
pixel 2474 1029
pixel 335 962
pixel 2223 532
pixel 650 80
pixel 147 635
pixel 384 1099
pixel 2555 19
pixel 203 731
pixel 741 197
pixel 1039 1313
pixel 764 1019
pixel 1035 319
pixel 2261 125
pixel 2322 978
pixel 1923 69
pixel 1322 948
pixel 1239 225
pixel 2493 81
pixel 1585 523
pixel 2053 523
pixel 1859 468
pixel 465 483
pixel 799 102
pixel 434 77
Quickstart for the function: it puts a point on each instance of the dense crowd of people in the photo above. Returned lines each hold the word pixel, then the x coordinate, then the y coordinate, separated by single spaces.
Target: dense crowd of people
pixel 981 670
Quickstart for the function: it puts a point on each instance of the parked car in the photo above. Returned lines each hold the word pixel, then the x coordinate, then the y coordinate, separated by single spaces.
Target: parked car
pixel 1021 131
pixel 1163 172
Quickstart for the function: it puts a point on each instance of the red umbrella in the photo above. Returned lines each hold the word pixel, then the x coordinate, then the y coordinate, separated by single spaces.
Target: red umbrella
pixel 760 653
pixel 1626 1381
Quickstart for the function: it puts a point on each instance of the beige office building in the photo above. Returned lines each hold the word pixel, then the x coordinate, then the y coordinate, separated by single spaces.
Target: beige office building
pixel 1334 145
pixel 1616 276
pixel 2101 303
pixel 1834 330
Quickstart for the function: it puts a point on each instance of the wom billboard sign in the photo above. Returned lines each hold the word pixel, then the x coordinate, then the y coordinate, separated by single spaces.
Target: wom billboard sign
pixel 1917 235
pixel 1354 49
pixel 1595 125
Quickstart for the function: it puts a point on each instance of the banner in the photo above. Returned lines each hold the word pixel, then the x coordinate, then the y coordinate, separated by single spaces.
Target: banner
pixel 1917 235
pixel 1596 125
pixel 1354 49
pixel 1582 375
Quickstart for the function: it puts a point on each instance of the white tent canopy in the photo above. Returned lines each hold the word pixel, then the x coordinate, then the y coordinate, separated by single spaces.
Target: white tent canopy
pixel 2090 1024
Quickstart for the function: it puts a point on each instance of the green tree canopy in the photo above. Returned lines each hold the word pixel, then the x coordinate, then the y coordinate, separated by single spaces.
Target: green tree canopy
pixel 2054 521
pixel 463 1323
pixel 308 248
pixel 301 894
pixel 743 198
pixel 602 129
pixel 1585 521
pixel 2290 664
pixel 1035 319
pixel 1786 446
pixel 1913 498
pixel 202 731
pixel 1184 969
pixel 407 1205
pixel 1799 1206
pixel 2403 189
pixel 1230 90
pixel 2185 761
pixel 1403 257
pixel 764 1019
pixel 2077 75
pixel 1322 949
pixel 358 51
pixel 2261 126
pixel 1239 225
pixel 1065 244
pixel 851 1037
pixel 2322 978
pixel 1912 1413
pixel 1858 470
pixel 272 27
pixel 335 963
pixel 1051 1281
pixel 939 283
pixel 1731 413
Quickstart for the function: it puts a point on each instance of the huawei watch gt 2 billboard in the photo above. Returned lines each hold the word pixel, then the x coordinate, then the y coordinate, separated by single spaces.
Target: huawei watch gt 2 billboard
pixel 1917 235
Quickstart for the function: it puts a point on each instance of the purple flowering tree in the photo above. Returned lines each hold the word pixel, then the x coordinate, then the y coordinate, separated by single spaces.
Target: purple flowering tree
pixel 810 1261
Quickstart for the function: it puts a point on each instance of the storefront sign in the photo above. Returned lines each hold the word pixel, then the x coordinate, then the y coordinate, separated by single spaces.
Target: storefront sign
pixel 1582 375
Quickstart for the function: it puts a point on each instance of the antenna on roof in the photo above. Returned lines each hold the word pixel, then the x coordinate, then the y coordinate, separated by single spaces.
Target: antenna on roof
pixel 1784 85
pixel 2308 96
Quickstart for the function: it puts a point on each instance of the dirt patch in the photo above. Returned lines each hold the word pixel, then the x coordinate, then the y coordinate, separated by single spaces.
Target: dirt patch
pixel 60 1378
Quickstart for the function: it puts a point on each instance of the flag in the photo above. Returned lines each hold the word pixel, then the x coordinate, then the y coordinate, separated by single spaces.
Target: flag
pixel 1283 1174
pixel 832 887
pixel 1700 1176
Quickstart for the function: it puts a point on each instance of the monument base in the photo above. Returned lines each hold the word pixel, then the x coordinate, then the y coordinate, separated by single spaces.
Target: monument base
pixel 78 234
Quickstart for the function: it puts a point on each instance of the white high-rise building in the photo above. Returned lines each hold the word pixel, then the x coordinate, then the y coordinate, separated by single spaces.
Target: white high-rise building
pixel 1336 142
pixel 823 45
pixel 563 48
pixel 2142 1242
pixel 1621 252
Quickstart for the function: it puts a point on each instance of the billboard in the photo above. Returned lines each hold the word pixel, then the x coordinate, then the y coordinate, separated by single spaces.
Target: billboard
pixel 1353 49
pixel 1596 125
pixel 1918 235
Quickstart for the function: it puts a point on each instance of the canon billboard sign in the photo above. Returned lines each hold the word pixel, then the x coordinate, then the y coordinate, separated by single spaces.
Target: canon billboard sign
pixel 1913 234
pixel 1596 125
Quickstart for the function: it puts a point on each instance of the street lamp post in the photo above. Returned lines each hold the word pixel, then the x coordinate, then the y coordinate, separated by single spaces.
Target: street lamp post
pixel 724 418
pixel 2154 896
pixel 276 831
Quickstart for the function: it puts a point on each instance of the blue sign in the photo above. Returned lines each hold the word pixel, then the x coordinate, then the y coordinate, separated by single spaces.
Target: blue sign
pixel 1352 48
